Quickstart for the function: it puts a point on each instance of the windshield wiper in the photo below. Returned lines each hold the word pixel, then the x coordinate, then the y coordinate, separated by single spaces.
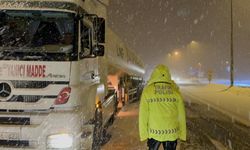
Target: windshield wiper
pixel 27 57
pixel 35 55
pixel 26 54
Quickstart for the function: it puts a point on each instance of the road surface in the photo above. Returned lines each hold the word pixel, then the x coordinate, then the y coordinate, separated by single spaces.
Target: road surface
pixel 208 129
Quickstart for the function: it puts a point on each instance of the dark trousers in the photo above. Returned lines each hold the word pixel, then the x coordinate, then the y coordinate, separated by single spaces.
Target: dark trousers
pixel 168 145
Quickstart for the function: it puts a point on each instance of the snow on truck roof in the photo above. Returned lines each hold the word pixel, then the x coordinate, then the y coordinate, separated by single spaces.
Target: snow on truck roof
pixel 65 5
pixel 78 2
pixel 92 6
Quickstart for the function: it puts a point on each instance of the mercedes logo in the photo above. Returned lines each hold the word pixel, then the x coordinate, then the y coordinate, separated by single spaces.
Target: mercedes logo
pixel 5 90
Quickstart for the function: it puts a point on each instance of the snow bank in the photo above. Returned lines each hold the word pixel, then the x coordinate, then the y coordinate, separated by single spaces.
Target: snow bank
pixel 240 91
pixel 235 101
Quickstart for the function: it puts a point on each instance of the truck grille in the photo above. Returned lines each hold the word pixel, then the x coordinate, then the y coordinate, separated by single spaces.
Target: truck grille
pixel 27 85
pixel 28 98
pixel 31 84
pixel 35 84
pixel 14 143
pixel 24 98
pixel 14 120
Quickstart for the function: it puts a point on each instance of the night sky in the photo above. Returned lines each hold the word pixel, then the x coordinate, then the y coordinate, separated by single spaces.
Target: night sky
pixel 156 28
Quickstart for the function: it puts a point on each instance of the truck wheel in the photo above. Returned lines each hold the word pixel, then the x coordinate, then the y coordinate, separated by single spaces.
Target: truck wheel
pixel 112 119
pixel 98 130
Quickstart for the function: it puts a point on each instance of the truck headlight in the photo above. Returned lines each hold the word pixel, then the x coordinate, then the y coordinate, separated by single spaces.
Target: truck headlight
pixel 60 141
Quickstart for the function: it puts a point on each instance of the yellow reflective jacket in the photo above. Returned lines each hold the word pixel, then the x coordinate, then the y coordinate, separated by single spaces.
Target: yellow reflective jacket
pixel 162 113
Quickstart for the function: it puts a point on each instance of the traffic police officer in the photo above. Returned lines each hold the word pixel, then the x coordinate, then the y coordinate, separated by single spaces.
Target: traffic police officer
pixel 162 118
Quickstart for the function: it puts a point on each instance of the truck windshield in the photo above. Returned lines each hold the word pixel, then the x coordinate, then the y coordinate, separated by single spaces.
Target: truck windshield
pixel 37 35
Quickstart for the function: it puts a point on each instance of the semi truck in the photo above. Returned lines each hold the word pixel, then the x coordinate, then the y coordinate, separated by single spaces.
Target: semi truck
pixel 62 71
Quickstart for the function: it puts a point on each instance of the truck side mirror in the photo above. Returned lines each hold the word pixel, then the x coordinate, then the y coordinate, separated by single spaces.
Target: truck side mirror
pixel 98 50
pixel 99 26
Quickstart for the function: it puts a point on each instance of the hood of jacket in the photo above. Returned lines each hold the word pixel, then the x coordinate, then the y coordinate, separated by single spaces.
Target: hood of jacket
pixel 160 74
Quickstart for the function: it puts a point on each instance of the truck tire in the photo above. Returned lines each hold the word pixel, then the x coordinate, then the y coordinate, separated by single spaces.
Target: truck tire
pixel 98 130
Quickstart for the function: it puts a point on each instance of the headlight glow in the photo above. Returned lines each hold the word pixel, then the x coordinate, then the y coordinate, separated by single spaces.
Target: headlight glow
pixel 60 141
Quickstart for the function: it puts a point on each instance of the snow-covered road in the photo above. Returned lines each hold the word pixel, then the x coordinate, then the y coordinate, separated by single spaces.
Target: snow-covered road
pixel 125 135
pixel 208 128
pixel 124 131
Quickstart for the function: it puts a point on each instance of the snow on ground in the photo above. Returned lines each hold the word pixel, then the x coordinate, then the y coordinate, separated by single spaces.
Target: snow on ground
pixel 124 131
pixel 125 134
pixel 234 102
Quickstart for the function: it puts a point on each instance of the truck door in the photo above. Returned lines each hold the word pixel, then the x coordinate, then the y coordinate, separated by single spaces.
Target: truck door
pixel 88 68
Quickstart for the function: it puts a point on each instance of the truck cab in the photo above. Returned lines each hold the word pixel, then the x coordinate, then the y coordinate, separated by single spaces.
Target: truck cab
pixel 55 65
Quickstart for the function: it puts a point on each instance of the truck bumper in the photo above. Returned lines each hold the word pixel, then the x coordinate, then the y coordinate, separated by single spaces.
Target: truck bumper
pixel 35 135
